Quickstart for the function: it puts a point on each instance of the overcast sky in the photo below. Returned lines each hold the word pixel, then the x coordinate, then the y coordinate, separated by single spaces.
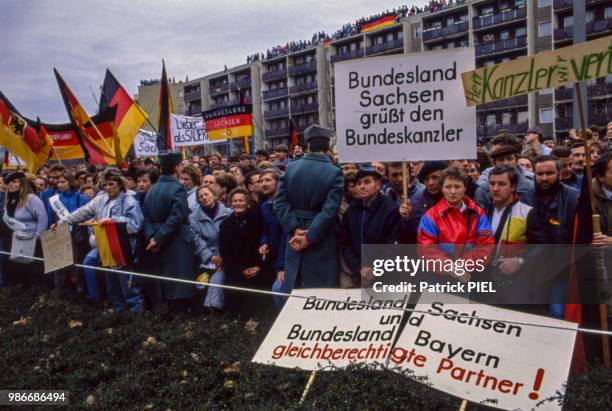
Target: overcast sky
pixel 195 37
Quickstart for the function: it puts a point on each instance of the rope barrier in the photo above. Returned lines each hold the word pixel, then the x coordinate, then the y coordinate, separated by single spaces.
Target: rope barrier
pixel 280 294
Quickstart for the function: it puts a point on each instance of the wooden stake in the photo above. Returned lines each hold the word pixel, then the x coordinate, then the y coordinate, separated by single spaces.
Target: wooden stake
pixel 463 405
pixel 605 341
pixel 311 379
pixel 405 181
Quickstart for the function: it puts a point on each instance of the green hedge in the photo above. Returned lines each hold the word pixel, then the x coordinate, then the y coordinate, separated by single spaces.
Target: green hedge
pixel 161 360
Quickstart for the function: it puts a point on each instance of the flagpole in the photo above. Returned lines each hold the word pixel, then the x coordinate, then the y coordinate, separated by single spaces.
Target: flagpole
pixel 603 314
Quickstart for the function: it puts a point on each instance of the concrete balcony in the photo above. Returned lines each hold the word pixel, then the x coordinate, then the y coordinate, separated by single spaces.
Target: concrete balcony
pixel 303 68
pixel 441 33
pixel 303 87
pixel 274 75
pixel 501 46
pixel 386 46
pixel 354 54
pixel 270 94
pixel 499 19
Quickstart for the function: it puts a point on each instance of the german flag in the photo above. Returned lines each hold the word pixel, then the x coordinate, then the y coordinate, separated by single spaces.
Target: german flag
pixel 380 22
pixel 164 136
pixel 28 140
pixel 96 147
pixel 113 244
pixel 129 117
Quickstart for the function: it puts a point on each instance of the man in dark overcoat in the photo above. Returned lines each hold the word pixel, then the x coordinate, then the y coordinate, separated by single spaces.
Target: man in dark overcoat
pixel 308 198
pixel 166 228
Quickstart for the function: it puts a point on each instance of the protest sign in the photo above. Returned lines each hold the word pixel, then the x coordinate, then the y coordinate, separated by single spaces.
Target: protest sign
pixel 484 359
pixel 229 122
pixel 57 248
pixel 311 334
pixel 401 108
pixel 549 69
pixel 145 143
pixel 187 131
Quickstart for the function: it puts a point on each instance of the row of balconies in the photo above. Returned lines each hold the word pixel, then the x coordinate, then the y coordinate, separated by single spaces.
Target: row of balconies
pixel 501 17
pixel 566 122
pixel 303 68
pixel 596 90
pixel 441 32
pixel 192 95
pixel 279 92
pixel 295 109
pixel 274 75
pixel 568 4
pixel 353 54
pixel 501 104
pixel 386 46
pixel 217 89
pixel 500 46
pixel 303 87
pixel 592 27
pixel 491 130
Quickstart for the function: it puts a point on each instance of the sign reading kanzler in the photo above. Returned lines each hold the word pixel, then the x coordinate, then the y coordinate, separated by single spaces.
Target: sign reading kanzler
pixel 405 108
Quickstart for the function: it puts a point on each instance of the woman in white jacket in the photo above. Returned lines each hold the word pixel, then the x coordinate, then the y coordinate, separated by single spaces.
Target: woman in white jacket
pixel 117 206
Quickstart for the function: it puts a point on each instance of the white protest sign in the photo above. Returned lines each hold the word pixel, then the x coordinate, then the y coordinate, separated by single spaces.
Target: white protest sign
pixel 312 334
pixel 57 248
pixel 409 107
pixel 484 359
pixel 187 131
pixel 145 143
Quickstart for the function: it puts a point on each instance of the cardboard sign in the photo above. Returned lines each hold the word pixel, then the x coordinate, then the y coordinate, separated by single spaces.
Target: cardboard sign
pixel 187 131
pixel 509 366
pixel 549 69
pixel 145 144
pixel 401 108
pixel 57 248
pixel 312 334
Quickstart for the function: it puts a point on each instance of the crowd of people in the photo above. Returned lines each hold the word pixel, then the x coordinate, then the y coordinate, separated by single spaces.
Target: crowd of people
pixel 296 218
pixel 350 29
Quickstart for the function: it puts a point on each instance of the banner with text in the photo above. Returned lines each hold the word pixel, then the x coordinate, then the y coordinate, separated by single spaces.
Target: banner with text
pixel 145 143
pixel 187 131
pixel 550 69
pixel 229 122
pixel 311 334
pixel 466 350
pixel 401 108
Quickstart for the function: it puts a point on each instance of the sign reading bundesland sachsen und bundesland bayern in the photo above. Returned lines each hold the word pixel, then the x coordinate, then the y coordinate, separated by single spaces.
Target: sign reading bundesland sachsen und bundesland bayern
pixel 312 333
pixel 486 354
pixel 550 69
pixel 401 108
pixel 229 122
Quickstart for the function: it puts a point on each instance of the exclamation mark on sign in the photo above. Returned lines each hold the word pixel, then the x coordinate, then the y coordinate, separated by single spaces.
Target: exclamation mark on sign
pixel 537 384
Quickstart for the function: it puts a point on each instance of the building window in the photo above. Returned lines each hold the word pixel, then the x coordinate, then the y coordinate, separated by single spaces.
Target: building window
pixel 486 11
pixel 568 21
pixel 520 32
pixel 546 115
pixel 506 118
pixel 544 3
pixel 519 3
pixel 522 117
pixel 590 17
pixel 490 119
pixel 608 12
pixel 417 32
pixel 389 36
pixel 437 47
pixel 545 92
pixel 504 35
pixel 450 45
pixel 544 29
pixel 450 20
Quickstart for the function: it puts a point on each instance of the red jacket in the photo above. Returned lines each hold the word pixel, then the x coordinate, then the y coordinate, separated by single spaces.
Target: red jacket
pixel 445 231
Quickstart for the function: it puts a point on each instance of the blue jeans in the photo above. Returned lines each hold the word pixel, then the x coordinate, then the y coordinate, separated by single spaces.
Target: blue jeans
pixel 91 276
pixel 122 295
